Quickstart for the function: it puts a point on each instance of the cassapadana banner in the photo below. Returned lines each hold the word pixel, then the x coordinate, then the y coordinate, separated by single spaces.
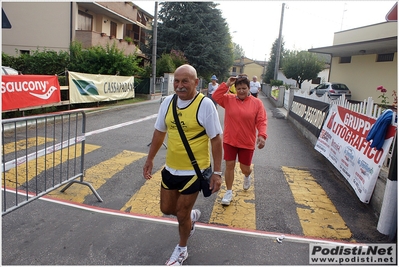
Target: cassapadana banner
pixel 86 88
pixel 343 142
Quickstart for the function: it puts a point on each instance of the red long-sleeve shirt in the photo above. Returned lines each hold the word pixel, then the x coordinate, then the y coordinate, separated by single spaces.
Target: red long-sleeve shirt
pixel 244 120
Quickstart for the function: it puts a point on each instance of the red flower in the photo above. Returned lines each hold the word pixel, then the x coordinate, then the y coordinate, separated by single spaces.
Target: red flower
pixel 382 89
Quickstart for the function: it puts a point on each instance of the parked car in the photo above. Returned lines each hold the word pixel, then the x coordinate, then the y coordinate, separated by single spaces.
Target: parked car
pixel 8 71
pixel 333 90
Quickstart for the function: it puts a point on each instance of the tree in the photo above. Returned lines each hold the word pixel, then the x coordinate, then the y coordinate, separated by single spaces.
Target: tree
pixel 200 32
pixel 269 75
pixel 238 51
pixel 301 66
pixel 165 65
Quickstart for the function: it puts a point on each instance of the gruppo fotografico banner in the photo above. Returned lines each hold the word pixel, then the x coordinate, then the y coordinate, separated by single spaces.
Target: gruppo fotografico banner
pixel 343 142
pixel 86 88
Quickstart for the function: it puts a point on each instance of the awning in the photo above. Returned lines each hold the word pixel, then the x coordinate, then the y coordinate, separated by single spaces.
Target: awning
pixel 380 46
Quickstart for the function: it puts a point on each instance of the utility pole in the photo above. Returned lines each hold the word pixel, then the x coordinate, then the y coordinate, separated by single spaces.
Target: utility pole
pixel 154 50
pixel 276 66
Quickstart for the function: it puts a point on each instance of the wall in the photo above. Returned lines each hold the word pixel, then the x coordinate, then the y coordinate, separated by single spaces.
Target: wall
pixel 367 33
pixel 29 30
pixel 363 75
pixel 253 69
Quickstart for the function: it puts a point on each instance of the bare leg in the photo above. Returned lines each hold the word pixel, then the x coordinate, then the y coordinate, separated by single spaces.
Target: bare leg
pixel 245 169
pixel 229 173
pixel 174 203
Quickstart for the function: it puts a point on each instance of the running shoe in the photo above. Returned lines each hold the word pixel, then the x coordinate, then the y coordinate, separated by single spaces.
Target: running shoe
pixel 228 196
pixel 247 182
pixel 195 215
pixel 178 256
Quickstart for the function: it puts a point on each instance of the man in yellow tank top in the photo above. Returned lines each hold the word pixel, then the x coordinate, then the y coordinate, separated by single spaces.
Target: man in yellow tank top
pixel 180 185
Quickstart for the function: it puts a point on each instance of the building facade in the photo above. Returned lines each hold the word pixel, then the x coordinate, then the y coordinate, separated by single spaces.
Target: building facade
pixel 365 58
pixel 55 25
pixel 249 67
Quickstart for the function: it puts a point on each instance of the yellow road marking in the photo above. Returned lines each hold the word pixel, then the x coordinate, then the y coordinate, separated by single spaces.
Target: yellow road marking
pixel 20 174
pixel 147 199
pixel 25 144
pixel 317 214
pixel 241 212
pixel 97 176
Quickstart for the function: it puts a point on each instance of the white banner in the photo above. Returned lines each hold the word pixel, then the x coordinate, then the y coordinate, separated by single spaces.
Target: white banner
pixel 343 142
pixel 86 88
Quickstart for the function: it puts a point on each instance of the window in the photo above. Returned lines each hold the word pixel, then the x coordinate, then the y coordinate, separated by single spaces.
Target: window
pixel 113 28
pixel 316 81
pixel 385 57
pixel 85 21
pixel 24 52
pixel 345 59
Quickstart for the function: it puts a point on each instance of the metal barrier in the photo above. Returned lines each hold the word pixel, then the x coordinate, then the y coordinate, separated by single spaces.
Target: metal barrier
pixel 41 154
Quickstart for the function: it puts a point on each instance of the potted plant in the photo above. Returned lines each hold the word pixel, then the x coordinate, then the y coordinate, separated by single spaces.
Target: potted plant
pixel 128 39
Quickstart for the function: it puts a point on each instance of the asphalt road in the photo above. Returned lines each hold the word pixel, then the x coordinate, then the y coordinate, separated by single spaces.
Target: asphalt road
pixel 127 229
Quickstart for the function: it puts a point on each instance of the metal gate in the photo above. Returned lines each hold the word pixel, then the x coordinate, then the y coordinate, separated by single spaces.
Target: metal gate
pixel 41 154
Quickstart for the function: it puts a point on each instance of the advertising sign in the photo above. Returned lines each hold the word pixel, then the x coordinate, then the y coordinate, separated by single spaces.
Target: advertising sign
pixel 21 91
pixel 310 113
pixel 87 88
pixel 343 142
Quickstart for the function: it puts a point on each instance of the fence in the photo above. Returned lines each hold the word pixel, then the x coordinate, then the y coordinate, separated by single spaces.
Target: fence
pixel 41 154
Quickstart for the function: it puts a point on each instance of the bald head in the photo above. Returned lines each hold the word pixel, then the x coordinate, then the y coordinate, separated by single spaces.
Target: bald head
pixel 185 82
pixel 188 69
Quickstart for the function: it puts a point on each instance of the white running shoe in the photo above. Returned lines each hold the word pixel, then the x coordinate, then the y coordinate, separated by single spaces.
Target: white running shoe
pixel 247 182
pixel 228 196
pixel 177 257
pixel 195 215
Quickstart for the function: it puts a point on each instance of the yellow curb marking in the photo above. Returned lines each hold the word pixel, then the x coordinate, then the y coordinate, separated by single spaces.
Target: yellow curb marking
pixel 317 214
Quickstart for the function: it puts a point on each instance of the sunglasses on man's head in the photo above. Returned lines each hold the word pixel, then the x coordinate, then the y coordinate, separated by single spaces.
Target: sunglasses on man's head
pixel 242 77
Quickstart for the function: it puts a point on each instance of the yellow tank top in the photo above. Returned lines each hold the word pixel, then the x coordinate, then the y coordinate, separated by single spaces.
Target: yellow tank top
pixel 176 155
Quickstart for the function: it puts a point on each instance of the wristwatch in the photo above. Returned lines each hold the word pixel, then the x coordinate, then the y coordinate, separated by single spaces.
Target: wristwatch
pixel 218 173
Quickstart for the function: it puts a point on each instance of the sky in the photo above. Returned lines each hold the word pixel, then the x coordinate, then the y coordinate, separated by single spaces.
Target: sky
pixel 255 25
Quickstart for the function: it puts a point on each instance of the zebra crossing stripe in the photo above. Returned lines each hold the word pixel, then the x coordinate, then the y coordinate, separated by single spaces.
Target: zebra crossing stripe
pixel 24 173
pixel 97 176
pixel 241 212
pixel 146 200
pixel 25 144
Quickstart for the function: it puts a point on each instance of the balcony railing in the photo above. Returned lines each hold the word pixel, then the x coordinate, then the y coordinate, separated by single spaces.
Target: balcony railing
pixel 89 39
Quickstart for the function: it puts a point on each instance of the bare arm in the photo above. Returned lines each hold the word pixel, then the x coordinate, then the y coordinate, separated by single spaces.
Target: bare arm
pixel 156 143
pixel 216 180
